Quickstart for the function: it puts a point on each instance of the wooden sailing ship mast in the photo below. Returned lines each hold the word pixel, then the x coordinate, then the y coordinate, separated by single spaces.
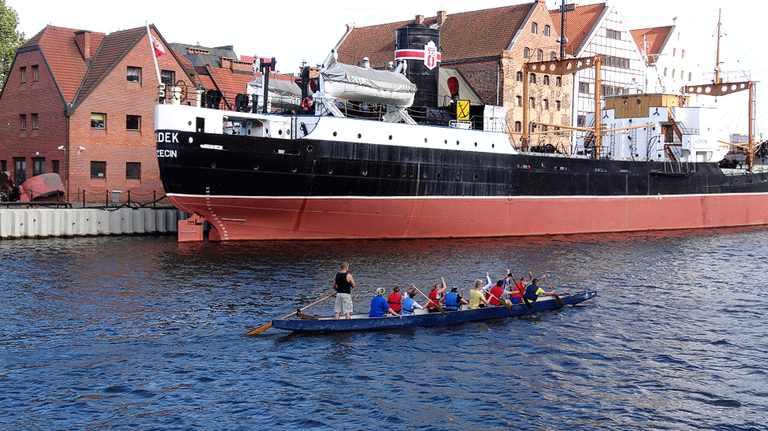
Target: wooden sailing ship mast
pixel 719 88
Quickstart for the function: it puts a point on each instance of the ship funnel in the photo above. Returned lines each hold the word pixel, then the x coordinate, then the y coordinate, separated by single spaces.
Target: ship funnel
pixel 418 46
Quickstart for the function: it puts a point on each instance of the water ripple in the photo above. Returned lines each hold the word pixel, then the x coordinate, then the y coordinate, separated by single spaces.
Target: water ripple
pixel 145 333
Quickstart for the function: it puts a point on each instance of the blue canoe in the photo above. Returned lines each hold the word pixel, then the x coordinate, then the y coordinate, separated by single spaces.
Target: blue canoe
pixel 361 322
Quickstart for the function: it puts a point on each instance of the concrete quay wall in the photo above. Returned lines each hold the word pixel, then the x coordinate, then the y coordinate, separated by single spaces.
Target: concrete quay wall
pixel 64 222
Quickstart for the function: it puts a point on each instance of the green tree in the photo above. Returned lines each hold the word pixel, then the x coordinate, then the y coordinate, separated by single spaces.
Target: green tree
pixel 10 39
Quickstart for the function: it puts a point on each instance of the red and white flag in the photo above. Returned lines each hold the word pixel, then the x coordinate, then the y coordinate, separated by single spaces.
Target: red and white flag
pixel 159 49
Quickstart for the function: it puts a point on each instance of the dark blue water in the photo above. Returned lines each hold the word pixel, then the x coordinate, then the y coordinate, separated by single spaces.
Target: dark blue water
pixel 142 333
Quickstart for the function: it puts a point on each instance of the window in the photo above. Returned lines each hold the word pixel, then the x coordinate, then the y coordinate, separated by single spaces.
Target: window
pixel 519 101
pixel 519 76
pixel 55 166
pixel 546 79
pixel 534 28
pixel 98 170
pixel 557 105
pixel 546 30
pixel 545 104
pixel 23 74
pixel 559 81
pixel 35 124
pixel 35 74
pixel 540 55
pixel 527 53
pixel 38 166
pixel 23 121
pixel 552 56
pixel 617 62
pixel 132 171
pixel 583 87
pixel 98 121
pixel 532 103
pixel 532 78
pixel 133 122
pixel 581 121
pixel 19 170
pixel 133 74
pixel 612 34
pixel 518 126
pixel 167 77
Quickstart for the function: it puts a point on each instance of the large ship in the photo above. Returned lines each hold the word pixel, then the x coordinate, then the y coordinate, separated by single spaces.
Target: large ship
pixel 308 171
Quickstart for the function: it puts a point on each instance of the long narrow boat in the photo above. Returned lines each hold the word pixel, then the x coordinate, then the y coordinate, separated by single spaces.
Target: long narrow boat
pixel 361 322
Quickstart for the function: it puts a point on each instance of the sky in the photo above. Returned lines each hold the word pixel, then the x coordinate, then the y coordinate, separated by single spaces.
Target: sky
pixel 302 30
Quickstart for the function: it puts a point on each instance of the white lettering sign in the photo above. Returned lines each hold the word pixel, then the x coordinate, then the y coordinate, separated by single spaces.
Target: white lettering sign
pixel 166 153
pixel 170 137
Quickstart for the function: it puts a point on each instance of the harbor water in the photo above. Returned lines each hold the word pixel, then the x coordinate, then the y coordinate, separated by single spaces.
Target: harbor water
pixel 144 333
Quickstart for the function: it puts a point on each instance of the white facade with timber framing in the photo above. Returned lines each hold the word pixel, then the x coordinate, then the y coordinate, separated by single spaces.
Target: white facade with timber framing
pixel 600 29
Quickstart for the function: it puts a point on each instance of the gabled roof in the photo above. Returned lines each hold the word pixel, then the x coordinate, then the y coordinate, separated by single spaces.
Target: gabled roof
pixel 467 35
pixel 578 24
pixel 651 41
pixel 113 49
pixel 63 57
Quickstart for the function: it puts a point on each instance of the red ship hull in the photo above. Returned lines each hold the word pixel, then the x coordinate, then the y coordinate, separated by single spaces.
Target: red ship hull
pixel 285 218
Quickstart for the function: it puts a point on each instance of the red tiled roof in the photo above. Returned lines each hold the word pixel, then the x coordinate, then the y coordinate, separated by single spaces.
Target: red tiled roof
pixel 578 24
pixel 230 84
pixel 476 34
pixel 114 47
pixel 651 40
pixel 62 55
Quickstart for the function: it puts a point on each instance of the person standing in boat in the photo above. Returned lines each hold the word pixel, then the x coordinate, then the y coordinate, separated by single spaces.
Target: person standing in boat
pixel 533 290
pixel 409 303
pixel 435 295
pixel 343 284
pixel 395 300
pixel 380 307
pixel 454 301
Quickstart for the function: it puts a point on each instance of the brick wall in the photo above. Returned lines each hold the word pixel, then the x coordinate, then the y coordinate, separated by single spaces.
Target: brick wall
pixel 39 97
pixel 118 98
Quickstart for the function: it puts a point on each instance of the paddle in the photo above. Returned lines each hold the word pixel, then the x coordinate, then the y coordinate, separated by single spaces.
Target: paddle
pixel 428 298
pixel 559 301
pixel 522 294
pixel 264 327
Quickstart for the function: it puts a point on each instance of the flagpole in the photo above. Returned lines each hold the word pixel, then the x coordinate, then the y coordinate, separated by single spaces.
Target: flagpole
pixel 154 56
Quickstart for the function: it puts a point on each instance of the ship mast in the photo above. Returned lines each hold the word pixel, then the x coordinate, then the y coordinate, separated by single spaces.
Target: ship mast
pixel 718 80
pixel 719 88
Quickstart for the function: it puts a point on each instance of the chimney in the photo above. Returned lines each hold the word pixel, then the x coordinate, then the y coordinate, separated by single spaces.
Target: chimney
pixel 419 19
pixel 441 17
pixel 83 42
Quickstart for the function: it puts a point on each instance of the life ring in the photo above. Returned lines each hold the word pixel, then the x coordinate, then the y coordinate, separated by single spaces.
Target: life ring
pixel 306 104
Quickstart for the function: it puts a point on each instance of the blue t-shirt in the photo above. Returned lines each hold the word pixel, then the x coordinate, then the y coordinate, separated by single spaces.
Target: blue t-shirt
pixel 379 306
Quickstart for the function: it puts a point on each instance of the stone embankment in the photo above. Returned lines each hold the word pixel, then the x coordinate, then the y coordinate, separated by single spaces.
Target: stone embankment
pixel 66 222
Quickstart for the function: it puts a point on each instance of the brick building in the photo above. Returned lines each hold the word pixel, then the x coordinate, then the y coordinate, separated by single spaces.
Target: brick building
pixel 81 104
pixel 488 47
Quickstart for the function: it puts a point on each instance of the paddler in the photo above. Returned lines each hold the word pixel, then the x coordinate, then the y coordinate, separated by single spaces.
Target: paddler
pixel 343 284
pixel 533 290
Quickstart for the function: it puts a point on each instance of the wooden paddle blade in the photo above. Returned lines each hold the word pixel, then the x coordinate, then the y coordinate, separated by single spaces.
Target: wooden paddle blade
pixel 559 301
pixel 260 329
